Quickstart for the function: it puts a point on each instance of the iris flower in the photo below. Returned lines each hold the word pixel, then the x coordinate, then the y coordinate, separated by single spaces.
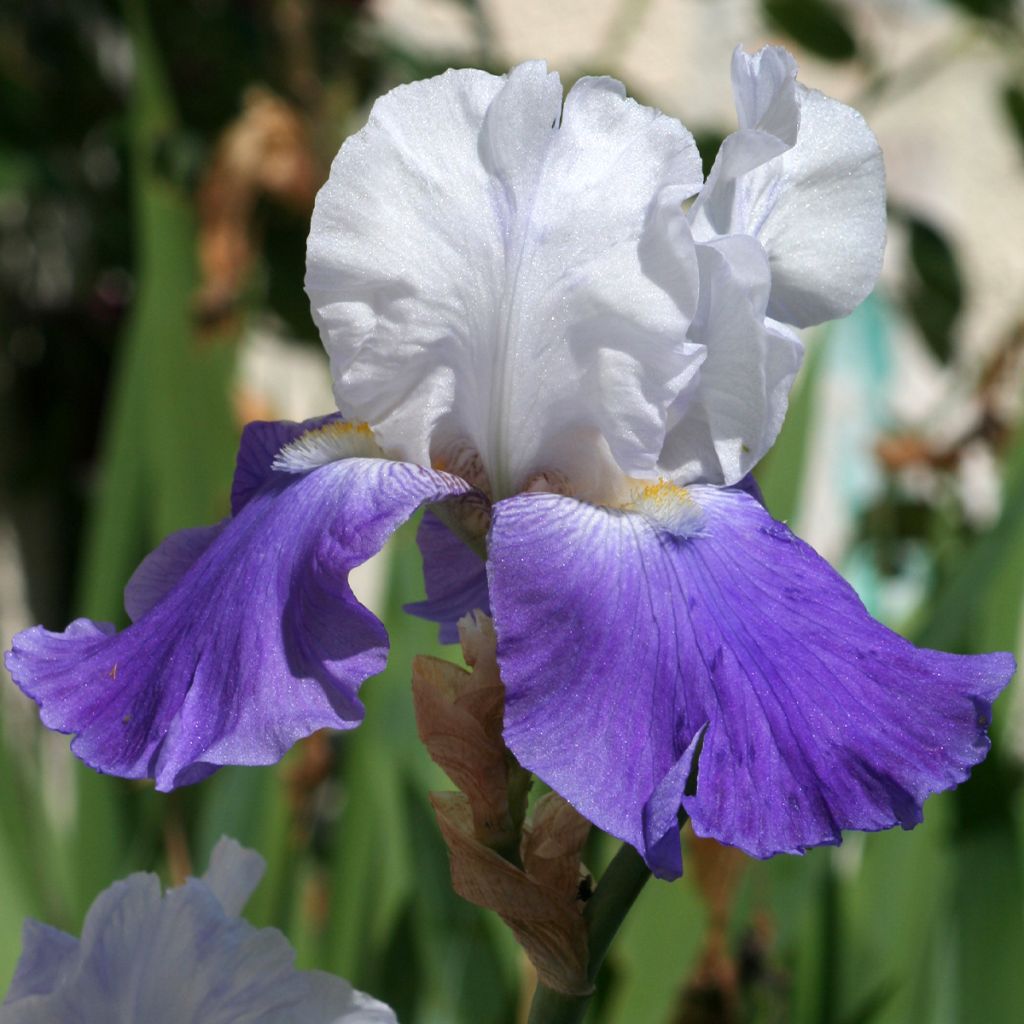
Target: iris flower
pixel 545 325
pixel 181 957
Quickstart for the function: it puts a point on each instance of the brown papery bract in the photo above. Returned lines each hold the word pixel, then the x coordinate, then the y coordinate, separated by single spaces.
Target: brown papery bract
pixel 528 874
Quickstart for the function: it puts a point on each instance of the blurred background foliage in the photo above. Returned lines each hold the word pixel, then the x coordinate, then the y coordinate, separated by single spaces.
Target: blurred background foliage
pixel 158 163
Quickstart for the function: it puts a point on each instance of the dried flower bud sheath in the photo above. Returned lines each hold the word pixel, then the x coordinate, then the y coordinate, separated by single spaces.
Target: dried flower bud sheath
pixel 459 718
pixel 540 901
pixel 529 875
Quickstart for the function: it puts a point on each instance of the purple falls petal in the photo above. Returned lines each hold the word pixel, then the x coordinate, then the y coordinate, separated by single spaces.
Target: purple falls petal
pixel 161 569
pixel 260 643
pixel 750 485
pixel 455 577
pixel 261 441
pixel 623 635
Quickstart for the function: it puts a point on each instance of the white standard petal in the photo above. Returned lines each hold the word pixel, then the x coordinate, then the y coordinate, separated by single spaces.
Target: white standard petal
pixel 765 92
pixel 495 274
pixel 733 414
pixel 817 205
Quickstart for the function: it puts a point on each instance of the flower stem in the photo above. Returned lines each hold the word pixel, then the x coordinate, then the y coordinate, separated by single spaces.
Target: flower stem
pixel 618 889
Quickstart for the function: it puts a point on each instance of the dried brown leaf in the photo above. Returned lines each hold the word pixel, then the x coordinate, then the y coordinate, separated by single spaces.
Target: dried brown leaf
pixel 265 151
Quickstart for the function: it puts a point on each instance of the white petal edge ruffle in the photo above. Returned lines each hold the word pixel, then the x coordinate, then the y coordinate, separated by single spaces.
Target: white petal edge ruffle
pixel 804 176
pixel 491 271
pixel 737 407
pixel 183 957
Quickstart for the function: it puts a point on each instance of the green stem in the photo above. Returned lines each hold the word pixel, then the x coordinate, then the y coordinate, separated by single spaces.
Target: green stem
pixel 617 891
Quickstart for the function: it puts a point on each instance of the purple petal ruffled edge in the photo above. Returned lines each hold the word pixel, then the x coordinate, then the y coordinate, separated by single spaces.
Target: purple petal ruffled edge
pixel 629 640
pixel 258 643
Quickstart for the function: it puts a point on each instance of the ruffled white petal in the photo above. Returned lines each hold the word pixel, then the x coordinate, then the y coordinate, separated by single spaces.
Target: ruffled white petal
pixel 47 954
pixel 491 272
pixel 233 874
pixel 183 957
pixel 765 92
pixel 817 205
pixel 733 415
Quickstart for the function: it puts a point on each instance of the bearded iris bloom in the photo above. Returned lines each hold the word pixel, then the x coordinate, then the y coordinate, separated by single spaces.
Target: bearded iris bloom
pixel 180 957
pixel 546 326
